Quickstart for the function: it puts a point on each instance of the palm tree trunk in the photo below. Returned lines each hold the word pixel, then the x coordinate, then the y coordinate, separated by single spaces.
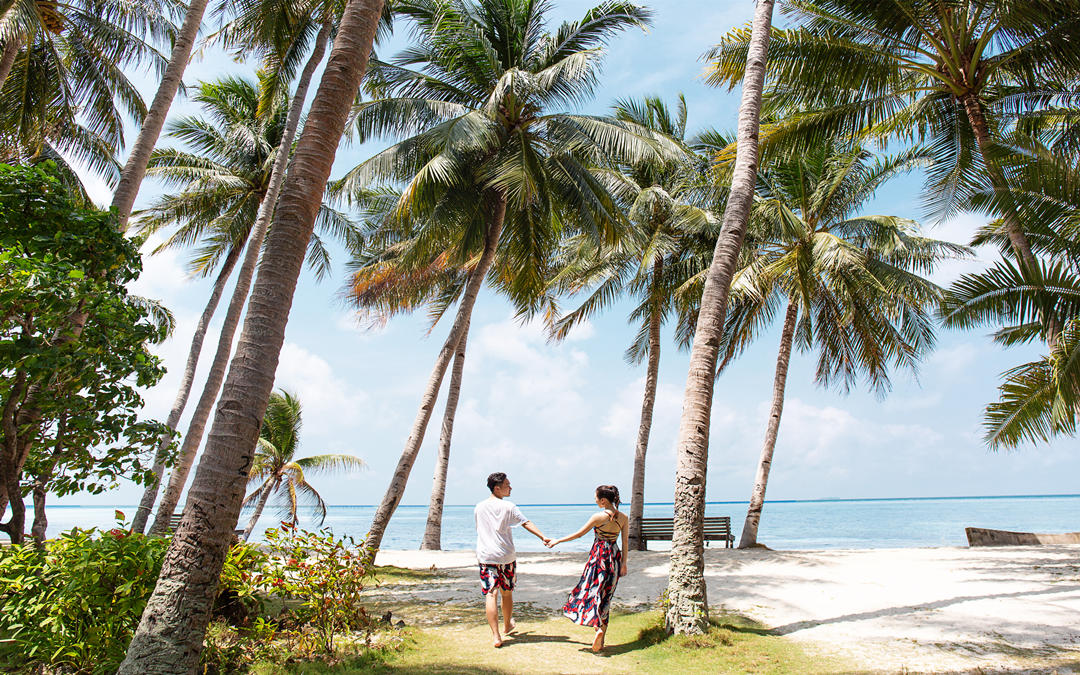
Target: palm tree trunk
pixel 688 608
pixel 170 635
pixel 427 402
pixel 7 58
pixel 637 497
pixel 748 539
pixel 1017 237
pixel 263 498
pixel 432 540
pixel 146 505
pixel 236 306
pixel 135 167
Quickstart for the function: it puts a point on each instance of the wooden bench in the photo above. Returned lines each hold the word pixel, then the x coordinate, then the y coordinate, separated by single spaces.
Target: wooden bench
pixel 717 528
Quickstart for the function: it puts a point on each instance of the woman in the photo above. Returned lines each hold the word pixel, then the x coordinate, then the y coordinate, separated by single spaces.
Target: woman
pixel 590 601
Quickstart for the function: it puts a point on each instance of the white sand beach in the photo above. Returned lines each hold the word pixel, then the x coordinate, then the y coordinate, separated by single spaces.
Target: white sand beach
pixel 1013 609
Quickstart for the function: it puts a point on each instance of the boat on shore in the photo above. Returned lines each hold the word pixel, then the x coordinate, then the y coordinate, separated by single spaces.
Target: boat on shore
pixel 980 536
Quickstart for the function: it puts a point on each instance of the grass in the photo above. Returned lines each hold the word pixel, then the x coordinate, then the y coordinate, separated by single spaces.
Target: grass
pixel 636 643
pixel 388 575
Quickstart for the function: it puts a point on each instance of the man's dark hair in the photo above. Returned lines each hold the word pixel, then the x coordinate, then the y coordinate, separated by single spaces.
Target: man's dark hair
pixel 496 479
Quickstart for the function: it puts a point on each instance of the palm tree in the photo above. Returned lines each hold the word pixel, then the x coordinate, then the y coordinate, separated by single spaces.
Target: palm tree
pixel 941 72
pixel 688 608
pixel 225 184
pixel 1038 399
pixel 646 263
pixel 171 632
pixel 475 93
pixel 276 470
pixel 850 287
pixel 62 86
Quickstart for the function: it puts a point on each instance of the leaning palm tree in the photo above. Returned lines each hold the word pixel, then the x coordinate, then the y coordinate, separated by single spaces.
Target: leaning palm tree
pixel 850 287
pixel 223 185
pixel 276 470
pixel 173 625
pixel 477 96
pixel 647 262
pixel 688 608
pixel 949 73
pixel 63 91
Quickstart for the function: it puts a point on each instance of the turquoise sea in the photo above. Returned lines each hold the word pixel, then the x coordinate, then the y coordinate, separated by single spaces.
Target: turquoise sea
pixel 816 524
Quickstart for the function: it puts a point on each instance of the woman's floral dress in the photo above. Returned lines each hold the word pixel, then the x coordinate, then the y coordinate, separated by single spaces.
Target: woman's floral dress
pixel 590 601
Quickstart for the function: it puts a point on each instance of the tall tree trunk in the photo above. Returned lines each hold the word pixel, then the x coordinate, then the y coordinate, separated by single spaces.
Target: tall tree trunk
pixel 10 467
pixel 41 485
pixel 170 634
pixel 146 505
pixel 135 167
pixel 432 540
pixel 7 58
pixel 400 478
pixel 748 538
pixel 199 418
pixel 259 506
pixel 688 608
pixel 1017 237
pixel 637 497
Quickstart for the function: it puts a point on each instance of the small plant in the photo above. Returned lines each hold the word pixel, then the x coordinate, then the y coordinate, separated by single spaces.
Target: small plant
pixel 327 574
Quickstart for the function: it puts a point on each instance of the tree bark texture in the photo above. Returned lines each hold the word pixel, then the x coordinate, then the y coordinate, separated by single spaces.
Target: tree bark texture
pixel 648 402
pixel 687 609
pixel 146 505
pixel 10 467
pixel 427 402
pixel 259 506
pixel 748 538
pixel 432 540
pixel 131 176
pixel 201 415
pixel 170 635
pixel 7 58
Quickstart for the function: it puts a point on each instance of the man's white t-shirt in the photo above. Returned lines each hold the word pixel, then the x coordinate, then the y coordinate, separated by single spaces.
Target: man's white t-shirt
pixel 494 540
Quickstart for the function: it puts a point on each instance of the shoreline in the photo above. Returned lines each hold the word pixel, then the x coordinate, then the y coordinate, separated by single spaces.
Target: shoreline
pixel 928 609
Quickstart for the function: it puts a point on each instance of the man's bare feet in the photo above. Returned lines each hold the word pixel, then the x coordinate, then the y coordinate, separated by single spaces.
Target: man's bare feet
pixel 496 641
pixel 510 627
pixel 598 641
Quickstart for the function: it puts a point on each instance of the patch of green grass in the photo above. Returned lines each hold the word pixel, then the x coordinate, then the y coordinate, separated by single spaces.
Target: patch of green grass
pixel 386 575
pixel 636 643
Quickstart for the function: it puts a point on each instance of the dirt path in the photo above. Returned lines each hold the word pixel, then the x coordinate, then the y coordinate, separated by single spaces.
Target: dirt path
pixel 1011 609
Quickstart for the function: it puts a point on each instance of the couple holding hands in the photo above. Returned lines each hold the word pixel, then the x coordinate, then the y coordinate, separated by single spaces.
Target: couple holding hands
pixel 590 601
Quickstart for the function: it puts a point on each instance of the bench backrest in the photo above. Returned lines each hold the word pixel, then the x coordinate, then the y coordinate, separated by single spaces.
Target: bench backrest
pixel 716 528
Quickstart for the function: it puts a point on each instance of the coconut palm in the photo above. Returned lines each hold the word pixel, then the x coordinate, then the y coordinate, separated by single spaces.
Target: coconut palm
pixel 850 287
pixel 171 632
pixel 475 96
pixel 941 72
pixel 688 608
pixel 1038 399
pixel 224 185
pixel 646 263
pixel 63 90
pixel 276 470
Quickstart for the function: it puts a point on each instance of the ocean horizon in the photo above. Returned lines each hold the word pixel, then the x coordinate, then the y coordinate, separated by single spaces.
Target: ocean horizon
pixel 798 524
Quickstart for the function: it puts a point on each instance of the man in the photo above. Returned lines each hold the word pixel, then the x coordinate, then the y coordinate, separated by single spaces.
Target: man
pixel 495 518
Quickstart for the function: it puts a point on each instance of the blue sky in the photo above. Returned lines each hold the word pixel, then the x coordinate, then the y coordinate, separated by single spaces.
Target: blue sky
pixel 561 419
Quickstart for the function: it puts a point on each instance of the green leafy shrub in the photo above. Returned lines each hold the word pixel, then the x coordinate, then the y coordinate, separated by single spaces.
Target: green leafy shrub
pixel 326 573
pixel 73 607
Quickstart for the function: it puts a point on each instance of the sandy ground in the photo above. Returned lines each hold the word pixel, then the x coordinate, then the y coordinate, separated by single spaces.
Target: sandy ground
pixel 1014 609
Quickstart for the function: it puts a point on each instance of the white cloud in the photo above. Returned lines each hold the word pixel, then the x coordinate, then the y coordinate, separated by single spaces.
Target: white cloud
pixel 328 400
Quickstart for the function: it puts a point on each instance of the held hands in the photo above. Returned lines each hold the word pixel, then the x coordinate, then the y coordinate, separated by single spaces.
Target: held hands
pixel 550 543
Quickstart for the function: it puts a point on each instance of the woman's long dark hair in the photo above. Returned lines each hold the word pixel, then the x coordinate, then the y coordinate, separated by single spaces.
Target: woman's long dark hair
pixel 610 493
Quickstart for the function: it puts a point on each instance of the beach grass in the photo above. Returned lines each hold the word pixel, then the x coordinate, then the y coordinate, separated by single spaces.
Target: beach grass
pixel 636 643
pixel 389 575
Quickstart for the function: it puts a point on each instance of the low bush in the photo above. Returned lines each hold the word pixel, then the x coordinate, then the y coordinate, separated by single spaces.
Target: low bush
pixel 73 606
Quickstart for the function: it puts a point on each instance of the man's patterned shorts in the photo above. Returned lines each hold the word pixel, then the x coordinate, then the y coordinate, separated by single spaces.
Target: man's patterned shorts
pixel 494 576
